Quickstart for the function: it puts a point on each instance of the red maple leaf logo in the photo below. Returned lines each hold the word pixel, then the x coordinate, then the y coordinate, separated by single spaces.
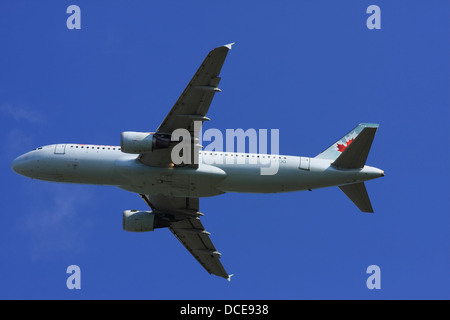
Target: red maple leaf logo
pixel 342 147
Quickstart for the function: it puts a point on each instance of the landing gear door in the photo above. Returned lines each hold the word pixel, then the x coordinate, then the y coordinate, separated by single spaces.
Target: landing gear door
pixel 304 163
pixel 60 149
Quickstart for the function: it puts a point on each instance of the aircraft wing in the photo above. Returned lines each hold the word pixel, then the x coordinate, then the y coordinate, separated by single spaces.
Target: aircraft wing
pixel 192 105
pixel 183 218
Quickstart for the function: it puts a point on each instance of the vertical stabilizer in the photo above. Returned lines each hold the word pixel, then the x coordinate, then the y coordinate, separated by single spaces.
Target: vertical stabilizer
pixel 355 154
pixel 339 147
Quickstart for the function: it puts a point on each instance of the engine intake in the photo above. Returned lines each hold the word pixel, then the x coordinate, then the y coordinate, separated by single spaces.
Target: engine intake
pixel 138 221
pixel 142 142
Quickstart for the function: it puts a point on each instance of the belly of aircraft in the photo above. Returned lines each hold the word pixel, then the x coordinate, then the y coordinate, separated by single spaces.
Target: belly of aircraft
pixel 175 182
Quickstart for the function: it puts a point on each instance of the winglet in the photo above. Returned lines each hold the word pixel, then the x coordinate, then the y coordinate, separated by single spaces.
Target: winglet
pixel 228 46
pixel 229 277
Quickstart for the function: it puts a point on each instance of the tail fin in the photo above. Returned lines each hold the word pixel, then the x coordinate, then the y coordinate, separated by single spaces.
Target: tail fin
pixel 351 150
pixel 358 194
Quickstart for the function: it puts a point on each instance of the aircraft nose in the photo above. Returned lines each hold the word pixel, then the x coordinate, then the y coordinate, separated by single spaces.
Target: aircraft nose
pixel 20 165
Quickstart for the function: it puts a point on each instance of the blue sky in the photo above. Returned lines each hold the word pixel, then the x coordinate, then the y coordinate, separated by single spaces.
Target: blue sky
pixel 311 69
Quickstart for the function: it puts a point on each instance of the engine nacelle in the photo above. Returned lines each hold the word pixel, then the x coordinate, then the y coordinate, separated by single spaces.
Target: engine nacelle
pixel 138 221
pixel 142 142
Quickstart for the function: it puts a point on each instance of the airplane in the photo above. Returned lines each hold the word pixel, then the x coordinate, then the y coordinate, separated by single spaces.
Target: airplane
pixel 143 164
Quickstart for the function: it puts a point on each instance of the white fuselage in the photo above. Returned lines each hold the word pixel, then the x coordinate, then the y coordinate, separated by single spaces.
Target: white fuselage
pixel 218 172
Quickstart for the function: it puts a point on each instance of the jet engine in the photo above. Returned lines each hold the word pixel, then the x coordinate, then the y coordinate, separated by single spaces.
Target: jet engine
pixel 138 221
pixel 142 142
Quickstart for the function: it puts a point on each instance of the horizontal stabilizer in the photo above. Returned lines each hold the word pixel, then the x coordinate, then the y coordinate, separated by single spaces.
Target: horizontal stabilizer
pixel 355 153
pixel 358 194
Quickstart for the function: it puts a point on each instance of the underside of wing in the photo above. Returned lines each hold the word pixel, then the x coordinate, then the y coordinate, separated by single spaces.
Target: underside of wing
pixel 189 112
pixel 194 102
pixel 194 237
pixel 183 220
